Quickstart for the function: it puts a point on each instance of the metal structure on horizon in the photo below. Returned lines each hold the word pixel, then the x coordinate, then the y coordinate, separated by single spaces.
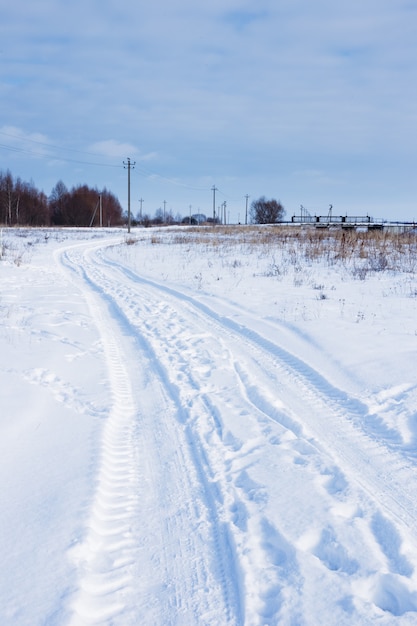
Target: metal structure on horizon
pixel 346 221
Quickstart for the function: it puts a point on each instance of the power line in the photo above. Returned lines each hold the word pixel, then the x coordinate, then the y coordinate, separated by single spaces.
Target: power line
pixel 13 148
pixel 43 155
pixel 141 170
pixel 48 145
pixel 149 174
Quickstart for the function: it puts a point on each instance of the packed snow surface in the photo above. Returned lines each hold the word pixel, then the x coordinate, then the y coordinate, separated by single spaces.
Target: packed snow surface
pixel 199 428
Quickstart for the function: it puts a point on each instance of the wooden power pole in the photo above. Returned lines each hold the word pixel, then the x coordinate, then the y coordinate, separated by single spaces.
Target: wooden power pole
pixel 129 165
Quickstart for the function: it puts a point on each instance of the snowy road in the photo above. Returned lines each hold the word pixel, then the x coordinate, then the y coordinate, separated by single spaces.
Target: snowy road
pixel 232 472
pixel 155 547
pixel 220 453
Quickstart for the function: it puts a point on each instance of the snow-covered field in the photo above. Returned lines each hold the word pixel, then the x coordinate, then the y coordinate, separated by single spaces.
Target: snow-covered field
pixel 206 428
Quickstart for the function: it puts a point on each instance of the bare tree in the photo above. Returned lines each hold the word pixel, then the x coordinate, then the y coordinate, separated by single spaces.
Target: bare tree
pixel 265 211
pixel 7 197
pixel 58 202
pixel 77 206
pixel 21 203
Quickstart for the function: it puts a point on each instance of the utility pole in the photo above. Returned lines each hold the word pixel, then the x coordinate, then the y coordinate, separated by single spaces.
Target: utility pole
pixel 129 165
pixel 214 189
pixel 246 212
pixel 140 210
pixel 165 203
pixel 95 211
pixel 101 211
pixel 214 203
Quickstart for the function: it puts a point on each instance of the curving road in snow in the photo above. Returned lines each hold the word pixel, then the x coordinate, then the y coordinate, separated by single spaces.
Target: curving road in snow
pixel 178 452
pixel 236 484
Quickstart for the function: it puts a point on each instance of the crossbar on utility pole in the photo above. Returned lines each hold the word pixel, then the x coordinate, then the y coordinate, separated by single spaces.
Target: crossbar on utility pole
pixel 129 165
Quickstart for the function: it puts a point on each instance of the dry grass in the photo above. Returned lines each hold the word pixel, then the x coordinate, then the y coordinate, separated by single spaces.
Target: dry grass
pixel 359 251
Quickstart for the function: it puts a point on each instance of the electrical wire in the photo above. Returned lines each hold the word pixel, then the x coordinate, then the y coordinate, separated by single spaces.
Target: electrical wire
pixel 43 155
pixel 150 174
pixel 48 145
pixel 138 170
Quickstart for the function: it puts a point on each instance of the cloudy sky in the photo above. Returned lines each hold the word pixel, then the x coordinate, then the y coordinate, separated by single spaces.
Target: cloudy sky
pixel 309 102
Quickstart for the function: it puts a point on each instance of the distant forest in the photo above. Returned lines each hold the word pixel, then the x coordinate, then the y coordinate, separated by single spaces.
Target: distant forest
pixel 21 204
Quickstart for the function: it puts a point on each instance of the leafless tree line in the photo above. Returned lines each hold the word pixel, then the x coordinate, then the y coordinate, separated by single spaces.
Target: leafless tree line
pixel 22 204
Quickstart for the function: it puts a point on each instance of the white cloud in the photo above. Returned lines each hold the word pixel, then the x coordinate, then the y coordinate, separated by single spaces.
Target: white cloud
pixel 112 148
pixel 117 149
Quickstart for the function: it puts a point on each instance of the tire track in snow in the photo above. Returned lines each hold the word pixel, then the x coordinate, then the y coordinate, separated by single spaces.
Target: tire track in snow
pixel 153 550
pixel 332 429
pixel 105 553
pixel 187 360
pixel 327 400
pixel 264 556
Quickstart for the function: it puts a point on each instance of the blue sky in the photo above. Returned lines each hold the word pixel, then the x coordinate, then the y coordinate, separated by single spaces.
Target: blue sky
pixel 311 103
